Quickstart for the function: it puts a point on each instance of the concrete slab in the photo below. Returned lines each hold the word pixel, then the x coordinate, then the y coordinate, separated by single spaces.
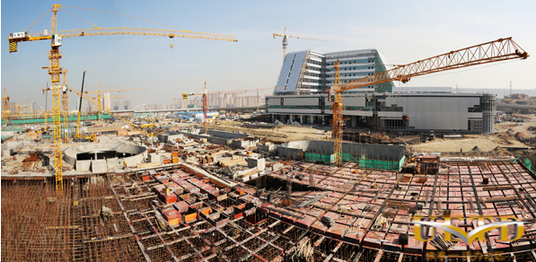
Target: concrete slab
pixel 99 166
pixel 113 163
pixel 154 158
pixel 83 165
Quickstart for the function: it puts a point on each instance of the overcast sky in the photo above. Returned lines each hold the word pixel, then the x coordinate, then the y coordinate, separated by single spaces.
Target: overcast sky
pixel 404 31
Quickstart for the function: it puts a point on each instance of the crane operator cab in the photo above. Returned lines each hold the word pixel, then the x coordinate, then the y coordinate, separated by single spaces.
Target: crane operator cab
pixel 56 40
pixel 331 94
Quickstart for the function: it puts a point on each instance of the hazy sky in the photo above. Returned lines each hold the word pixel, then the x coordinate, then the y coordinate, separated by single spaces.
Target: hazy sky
pixel 404 31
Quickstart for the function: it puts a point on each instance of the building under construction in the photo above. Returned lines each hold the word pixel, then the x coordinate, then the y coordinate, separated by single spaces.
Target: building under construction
pixel 244 200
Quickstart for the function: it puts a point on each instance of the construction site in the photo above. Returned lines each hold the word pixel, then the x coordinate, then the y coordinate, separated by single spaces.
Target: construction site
pixel 109 186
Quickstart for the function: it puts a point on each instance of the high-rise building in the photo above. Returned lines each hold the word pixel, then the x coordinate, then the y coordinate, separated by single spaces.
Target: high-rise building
pixel 122 104
pixel 107 103
pixel 311 72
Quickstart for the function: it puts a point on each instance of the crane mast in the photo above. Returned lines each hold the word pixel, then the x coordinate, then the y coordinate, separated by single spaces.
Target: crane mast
pixel 338 121
pixel 80 106
pixel 54 71
pixel 493 51
pixel 65 103
pixel 6 101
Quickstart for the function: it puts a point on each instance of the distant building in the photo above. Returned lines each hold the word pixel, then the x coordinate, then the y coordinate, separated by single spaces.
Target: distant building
pixel 300 96
pixel 106 100
pixel 122 104
pixel 311 72
pixel 155 106
pixel 220 99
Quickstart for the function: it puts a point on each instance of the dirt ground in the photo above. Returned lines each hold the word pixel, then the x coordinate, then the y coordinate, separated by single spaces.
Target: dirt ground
pixel 484 142
pixel 285 133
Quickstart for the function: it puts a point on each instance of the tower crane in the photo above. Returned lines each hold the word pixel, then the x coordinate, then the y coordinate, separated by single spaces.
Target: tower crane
pixel 18 108
pixel 285 39
pixel 56 37
pixel 65 103
pixel 46 89
pixel 98 92
pixel 493 51
pixel 6 102
pixel 205 105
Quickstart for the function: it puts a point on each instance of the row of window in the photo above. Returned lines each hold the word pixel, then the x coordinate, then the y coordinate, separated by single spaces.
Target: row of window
pixel 362 61
pixel 312 74
pixel 351 55
pixel 328 107
pixel 350 75
pixel 342 75
pixel 314 62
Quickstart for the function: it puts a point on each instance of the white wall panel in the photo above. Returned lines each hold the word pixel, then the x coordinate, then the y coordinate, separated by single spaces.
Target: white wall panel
pixel 435 112
pixel 274 101
pixel 354 101
pixel 304 101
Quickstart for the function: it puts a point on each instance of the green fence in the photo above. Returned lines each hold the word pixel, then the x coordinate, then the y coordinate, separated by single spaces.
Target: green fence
pixel 381 164
pixel 528 164
pixel 49 119
pixel 363 162
pixel 314 157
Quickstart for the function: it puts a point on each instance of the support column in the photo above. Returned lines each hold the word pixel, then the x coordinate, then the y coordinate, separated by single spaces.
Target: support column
pixel 301 119
pixel 323 120
pixel 312 119
pixel 354 121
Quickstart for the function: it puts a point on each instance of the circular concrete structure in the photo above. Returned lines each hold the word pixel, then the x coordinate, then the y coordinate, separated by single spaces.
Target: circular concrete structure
pixel 98 158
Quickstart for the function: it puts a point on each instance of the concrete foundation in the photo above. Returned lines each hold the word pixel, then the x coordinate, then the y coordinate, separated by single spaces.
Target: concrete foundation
pixel 9 147
pixel 267 147
pixel 83 165
pixel 99 166
pixel 133 155
pixel 243 143
pixel 220 141
pixel 295 150
pixel 154 158
pixel 257 163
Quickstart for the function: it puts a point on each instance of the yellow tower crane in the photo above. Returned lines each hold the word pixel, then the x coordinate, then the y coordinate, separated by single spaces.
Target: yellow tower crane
pixel 65 103
pixel 56 37
pixel 205 105
pixel 285 40
pixel 45 90
pixel 6 103
pixel 98 92
pixel 18 108
pixel 111 97
pixel 494 51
